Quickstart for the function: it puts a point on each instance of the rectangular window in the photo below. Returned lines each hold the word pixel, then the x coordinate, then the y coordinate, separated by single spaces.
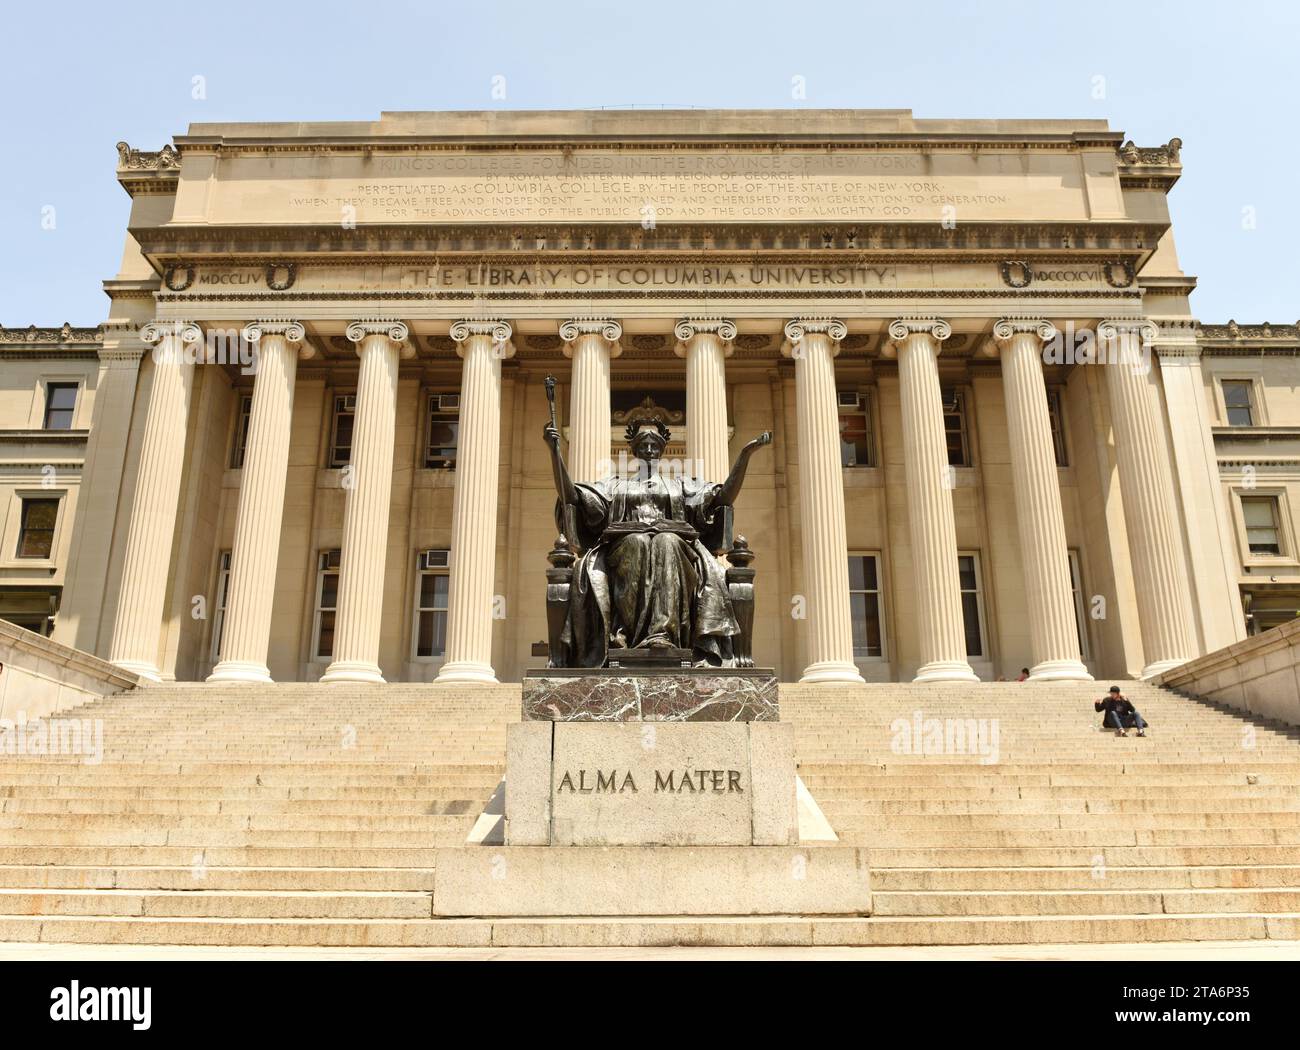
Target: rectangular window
pixel 1262 533
pixel 327 602
pixel 345 408
pixel 431 603
pixel 36 527
pixel 1237 403
pixel 972 613
pixel 857 438
pixel 219 612
pixel 954 427
pixel 1080 604
pixel 60 402
pixel 444 432
pixel 241 432
pixel 865 606
pixel 1057 424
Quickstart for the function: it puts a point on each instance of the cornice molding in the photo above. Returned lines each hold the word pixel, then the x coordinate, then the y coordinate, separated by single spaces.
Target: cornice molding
pixel 1122 241
pixel 64 336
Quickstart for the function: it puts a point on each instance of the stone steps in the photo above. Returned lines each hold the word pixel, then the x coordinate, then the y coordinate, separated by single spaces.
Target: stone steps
pixel 651 932
pixel 236 815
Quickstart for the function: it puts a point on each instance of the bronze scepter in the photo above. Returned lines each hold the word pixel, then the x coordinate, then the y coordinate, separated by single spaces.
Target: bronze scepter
pixel 549 382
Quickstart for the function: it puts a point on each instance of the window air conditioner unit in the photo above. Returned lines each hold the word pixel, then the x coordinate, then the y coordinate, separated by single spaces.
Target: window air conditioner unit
pixel 435 559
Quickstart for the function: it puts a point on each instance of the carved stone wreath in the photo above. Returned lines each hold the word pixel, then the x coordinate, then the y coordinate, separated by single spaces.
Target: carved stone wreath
pixel 169 276
pixel 1016 273
pixel 290 275
pixel 1126 269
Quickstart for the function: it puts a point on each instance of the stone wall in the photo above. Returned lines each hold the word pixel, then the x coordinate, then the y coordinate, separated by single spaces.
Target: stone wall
pixel 1260 674
pixel 41 677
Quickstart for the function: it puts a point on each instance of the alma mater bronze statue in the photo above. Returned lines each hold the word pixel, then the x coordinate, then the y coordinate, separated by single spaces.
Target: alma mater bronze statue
pixel 647 575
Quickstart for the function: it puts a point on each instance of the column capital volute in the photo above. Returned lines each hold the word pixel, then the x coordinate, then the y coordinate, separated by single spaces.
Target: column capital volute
pixel 800 328
pixel 609 330
pixel 904 328
pixel 155 331
pixel 1007 328
pixel 497 330
pixel 293 333
pixel 1112 328
pixel 395 332
pixel 689 327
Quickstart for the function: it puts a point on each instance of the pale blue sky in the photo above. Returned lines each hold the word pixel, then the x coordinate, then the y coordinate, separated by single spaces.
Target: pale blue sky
pixel 78 77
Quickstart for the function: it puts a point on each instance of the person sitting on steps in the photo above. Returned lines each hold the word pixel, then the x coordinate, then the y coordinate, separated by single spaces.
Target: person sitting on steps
pixel 1120 714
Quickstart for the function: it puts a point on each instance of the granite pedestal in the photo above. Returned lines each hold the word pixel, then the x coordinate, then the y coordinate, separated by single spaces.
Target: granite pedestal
pixel 651 790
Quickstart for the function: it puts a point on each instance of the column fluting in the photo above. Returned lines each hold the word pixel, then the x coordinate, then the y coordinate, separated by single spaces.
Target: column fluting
pixel 941 634
pixel 591 344
pixel 147 561
pixel 813 344
pixel 1053 631
pixel 482 345
pixel 706 344
pixel 1146 485
pixel 369 484
pixel 246 627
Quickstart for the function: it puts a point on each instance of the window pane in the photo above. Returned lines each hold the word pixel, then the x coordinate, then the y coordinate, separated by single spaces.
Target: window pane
pixel 855 440
pixel 966 572
pixel 857 574
pixel 326 645
pixel 1258 513
pixel 329 591
pixel 433 590
pixel 36 532
pixel 1236 399
pixel 970 615
pixel 432 634
pixel 865 611
pixel 60 400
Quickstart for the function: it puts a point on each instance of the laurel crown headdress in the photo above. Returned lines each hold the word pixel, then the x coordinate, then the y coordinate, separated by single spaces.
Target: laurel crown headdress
pixel 635 425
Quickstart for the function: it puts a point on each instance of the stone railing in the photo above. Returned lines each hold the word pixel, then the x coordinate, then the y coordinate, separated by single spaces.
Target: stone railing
pixel 40 677
pixel 1260 675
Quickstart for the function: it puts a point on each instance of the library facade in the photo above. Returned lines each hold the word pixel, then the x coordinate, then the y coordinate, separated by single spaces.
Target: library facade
pixel 307 442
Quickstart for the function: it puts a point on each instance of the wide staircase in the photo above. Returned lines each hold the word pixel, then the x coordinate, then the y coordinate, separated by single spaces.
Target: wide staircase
pixel 308 815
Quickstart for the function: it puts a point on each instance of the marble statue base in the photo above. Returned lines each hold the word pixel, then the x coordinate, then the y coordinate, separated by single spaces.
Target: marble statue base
pixel 650 784
pixel 650 694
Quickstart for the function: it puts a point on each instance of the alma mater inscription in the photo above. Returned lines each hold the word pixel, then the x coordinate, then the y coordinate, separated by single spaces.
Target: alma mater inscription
pixel 672 781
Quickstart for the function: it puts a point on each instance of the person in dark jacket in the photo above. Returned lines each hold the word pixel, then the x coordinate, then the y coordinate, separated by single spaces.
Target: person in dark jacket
pixel 1119 713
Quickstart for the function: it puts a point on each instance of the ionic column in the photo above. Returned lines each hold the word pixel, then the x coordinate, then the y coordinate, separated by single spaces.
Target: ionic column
pixel 813 344
pixel 142 597
pixel 369 485
pixel 592 344
pixel 483 345
pixel 1146 484
pixel 246 630
pixel 706 344
pixel 941 635
pixel 1053 631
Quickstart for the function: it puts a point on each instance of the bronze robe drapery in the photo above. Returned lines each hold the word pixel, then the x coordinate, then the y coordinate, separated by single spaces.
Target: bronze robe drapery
pixel 645 578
